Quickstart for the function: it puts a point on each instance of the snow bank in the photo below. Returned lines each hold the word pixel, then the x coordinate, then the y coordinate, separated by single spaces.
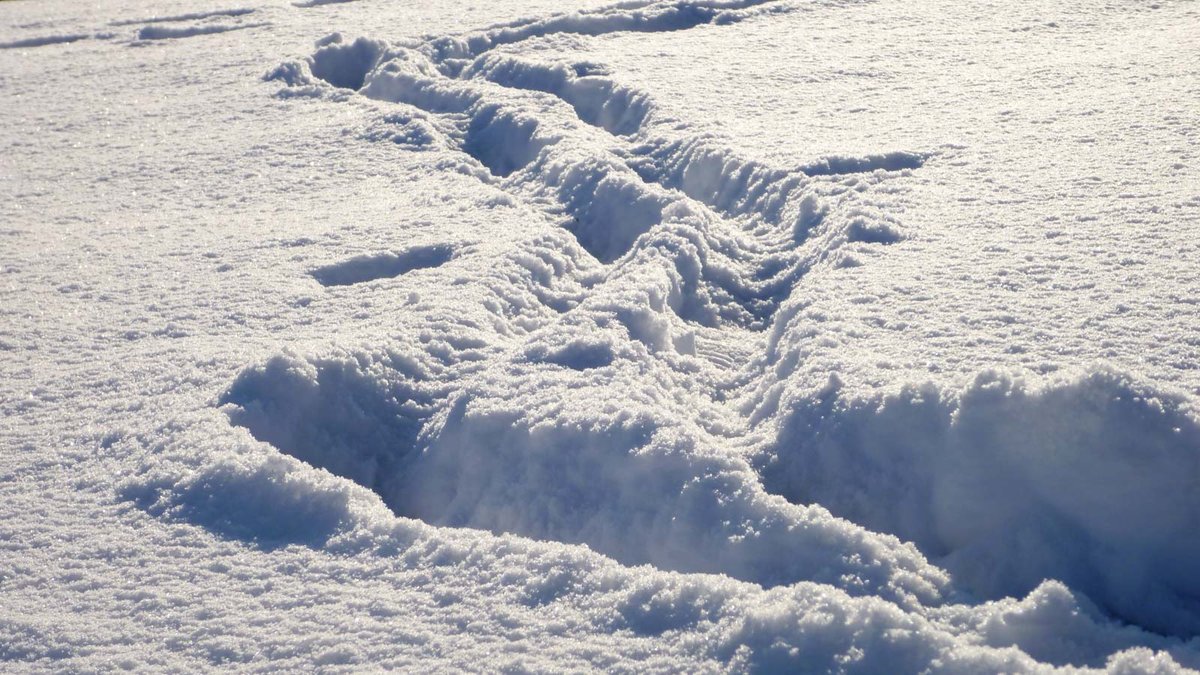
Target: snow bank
pixel 505 454
pixel 275 502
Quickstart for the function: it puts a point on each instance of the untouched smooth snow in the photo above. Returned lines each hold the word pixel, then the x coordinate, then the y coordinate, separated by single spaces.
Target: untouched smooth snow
pixel 690 335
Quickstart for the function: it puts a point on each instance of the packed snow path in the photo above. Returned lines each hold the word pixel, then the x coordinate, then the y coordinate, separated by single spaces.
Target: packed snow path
pixel 613 351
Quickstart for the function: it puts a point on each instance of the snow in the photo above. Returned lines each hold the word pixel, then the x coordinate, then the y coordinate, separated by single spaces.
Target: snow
pixel 363 268
pixel 701 335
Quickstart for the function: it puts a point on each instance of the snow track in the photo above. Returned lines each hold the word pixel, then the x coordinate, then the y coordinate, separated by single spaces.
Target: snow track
pixel 153 28
pixel 663 336
pixel 677 265
pixel 630 383
pixel 45 40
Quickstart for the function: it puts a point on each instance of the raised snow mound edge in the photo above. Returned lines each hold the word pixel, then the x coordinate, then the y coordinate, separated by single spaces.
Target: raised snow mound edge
pixel 1091 481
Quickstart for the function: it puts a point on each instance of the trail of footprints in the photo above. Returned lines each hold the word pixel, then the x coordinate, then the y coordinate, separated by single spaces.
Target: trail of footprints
pixel 154 28
pixel 697 249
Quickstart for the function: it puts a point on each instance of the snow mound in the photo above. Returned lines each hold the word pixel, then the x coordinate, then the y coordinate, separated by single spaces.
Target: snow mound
pixel 344 65
pixel 357 419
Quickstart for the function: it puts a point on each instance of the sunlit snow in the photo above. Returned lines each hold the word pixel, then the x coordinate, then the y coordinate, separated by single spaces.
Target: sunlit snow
pixel 656 335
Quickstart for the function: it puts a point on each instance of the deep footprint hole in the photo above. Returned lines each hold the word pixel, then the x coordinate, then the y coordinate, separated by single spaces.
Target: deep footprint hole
pixel 345 65
pixel 501 141
pixel 360 424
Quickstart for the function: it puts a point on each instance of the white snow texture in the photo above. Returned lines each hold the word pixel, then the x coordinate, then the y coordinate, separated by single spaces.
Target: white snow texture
pixel 664 335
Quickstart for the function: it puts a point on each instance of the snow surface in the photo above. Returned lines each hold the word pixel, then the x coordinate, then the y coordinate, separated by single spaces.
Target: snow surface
pixel 690 335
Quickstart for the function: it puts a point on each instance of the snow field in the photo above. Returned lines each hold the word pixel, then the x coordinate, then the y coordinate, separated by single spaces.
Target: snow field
pixel 622 371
